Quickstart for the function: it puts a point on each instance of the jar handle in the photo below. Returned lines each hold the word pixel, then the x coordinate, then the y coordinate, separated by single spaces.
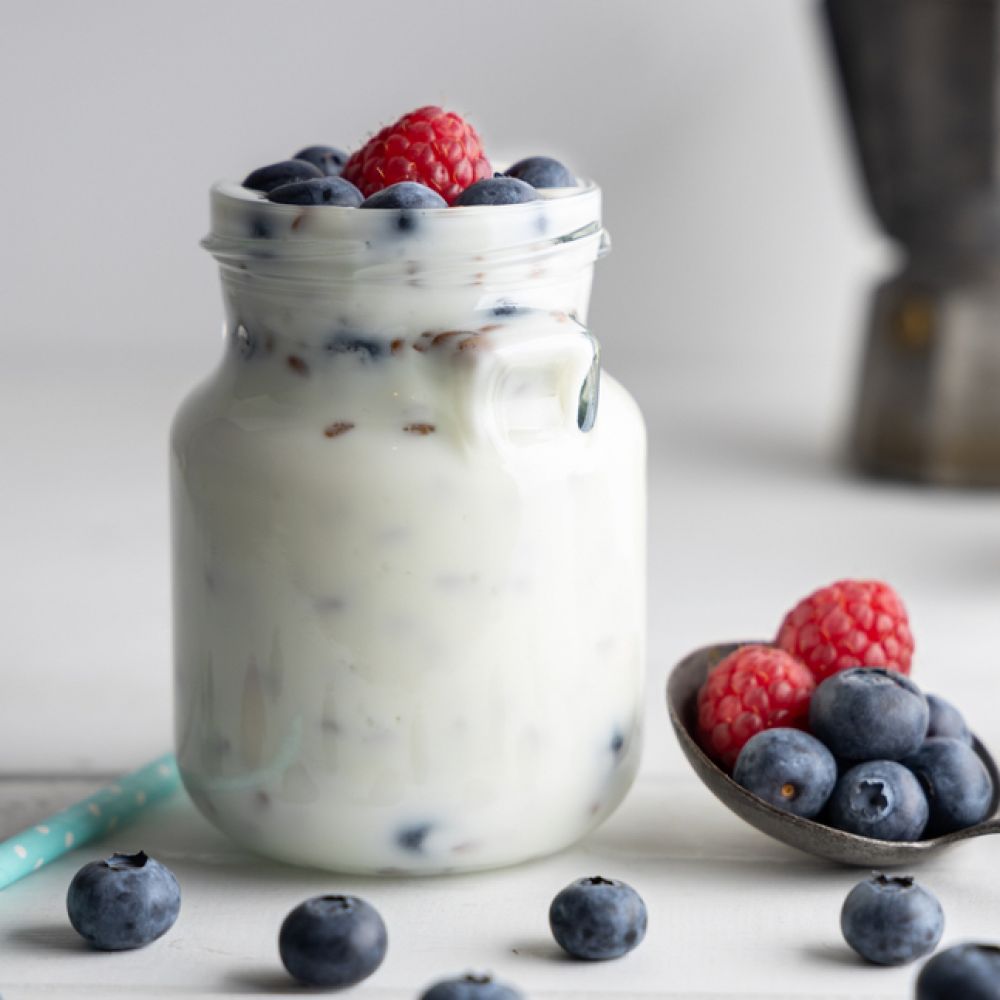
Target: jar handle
pixel 529 387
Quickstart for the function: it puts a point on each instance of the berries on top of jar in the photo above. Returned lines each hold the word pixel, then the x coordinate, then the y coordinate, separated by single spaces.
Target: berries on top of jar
pixel 429 158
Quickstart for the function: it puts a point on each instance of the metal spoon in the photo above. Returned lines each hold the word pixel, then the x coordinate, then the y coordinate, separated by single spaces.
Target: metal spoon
pixel 683 685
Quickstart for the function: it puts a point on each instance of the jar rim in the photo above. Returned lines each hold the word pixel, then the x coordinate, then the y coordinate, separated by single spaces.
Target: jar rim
pixel 246 226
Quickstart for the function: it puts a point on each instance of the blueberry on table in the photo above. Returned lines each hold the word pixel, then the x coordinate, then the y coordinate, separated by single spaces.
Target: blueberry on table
pixel 891 921
pixel 879 799
pixel 333 941
pixel 869 713
pixel 471 987
pixel 328 159
pixel 275 174
pixel 788 769
pixel 598 918
pixel 542 172
pixel 964 972
pixel 496 191
pixel 317 191
pixel 958 787
pixel 405 194
pixel 125 901
pixel 946 720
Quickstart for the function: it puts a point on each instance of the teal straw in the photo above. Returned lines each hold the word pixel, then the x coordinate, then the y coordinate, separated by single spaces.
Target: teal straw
pixel 102 813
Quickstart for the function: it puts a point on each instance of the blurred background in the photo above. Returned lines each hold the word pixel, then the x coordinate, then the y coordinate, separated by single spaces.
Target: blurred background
pixel 732 306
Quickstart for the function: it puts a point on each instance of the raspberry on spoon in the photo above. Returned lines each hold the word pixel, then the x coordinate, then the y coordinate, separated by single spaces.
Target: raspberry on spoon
pixel 851 623
pixel 752 689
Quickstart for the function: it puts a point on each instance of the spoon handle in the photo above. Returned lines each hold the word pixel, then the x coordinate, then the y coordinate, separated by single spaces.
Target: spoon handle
pixel 983 829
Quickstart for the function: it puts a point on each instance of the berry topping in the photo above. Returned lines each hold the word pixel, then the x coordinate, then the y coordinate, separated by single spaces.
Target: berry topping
pixel 123 902
pixel 317 191
pixel 405 194
pixel 497 191
pixel 789 769
pixel 542 172
pixel 430 146
pixel 753 688
pixel 868 714
pixel 598 918
pixel 275 174
pixel 334 941
pixel 851 623
pixel 958 786
pixel 470 987
pixel 879 799
pixel 328 159
pixel 891 921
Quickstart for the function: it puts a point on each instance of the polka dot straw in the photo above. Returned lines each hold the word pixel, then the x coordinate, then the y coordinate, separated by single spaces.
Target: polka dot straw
pixel 109 809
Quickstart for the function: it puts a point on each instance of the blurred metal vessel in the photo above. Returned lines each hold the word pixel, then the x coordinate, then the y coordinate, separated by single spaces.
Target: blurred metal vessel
pixel 921 79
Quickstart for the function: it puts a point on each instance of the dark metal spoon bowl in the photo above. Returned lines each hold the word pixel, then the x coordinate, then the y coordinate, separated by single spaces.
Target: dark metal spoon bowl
pixel 683 685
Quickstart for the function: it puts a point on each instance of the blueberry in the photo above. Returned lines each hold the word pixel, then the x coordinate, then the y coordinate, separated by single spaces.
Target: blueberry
pixel 598 918
pixel 412 838
pixel 260 228
pixel 363 347
pixel 787 768
pixel 275 174
pixel 122 902
pixel 317 191
pixel 542 172
pixel 958 787
pixel 891 921
pixel 497 191
pixel 964 972
pixel 328 159
pixel 946 720
pixel 470 987
pixel 868 713
pixel 880 799
pixel 332 941
pixel 405 194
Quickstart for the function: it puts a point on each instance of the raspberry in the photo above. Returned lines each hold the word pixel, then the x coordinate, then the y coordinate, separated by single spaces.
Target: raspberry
pixel 753 688
pixel 851 623
pixel 430 146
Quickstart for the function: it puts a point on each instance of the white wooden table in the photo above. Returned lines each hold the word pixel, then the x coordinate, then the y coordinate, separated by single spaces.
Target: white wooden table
pixel 748 511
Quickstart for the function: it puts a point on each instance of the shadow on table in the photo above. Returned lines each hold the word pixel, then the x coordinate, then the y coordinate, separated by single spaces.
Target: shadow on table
pixel 264 980
pixel 830 955
pixel 542 949
pixel 671 819
pixel 50 937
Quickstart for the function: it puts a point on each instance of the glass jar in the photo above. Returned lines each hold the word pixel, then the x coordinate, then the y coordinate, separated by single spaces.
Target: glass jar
pixel 409 550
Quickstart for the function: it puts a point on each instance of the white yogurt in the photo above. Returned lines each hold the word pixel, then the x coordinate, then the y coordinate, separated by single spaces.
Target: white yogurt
pixel 409 589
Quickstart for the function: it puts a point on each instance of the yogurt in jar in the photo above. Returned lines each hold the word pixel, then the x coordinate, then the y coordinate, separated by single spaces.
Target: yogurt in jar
pixel 408 539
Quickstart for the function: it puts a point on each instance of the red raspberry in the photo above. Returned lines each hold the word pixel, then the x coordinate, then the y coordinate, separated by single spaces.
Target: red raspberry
pixel 430 146
pixel 851 623
pixel 753 688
